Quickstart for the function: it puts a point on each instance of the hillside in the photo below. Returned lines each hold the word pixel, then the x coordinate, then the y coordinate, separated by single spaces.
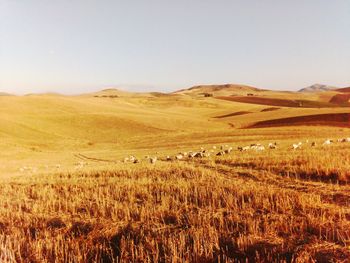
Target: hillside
pixel 5 94
pixel 67 178
pixel 317 88
pixel 219 90
pixel 122 118
pixel 343 90
pixel 83 119
pixel 331 119
pixel 277 101
pixel 127 119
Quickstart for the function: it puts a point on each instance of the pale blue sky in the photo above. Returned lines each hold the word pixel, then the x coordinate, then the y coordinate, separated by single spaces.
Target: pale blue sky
pixel 79 46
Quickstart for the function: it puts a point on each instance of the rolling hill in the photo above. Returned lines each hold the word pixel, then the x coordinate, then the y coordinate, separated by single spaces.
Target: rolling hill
pixel 330 119
pixel 219 90
pixel 112 123
pixel 318 88
pixel 122 118
pixel 343 90
pixel 277 102
pixel 5 94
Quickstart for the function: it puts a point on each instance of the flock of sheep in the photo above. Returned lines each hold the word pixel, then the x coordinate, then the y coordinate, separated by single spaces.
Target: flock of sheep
pixel 225 149
pixel 201 153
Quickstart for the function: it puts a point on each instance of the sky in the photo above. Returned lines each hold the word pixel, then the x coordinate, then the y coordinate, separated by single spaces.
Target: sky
pixel 76 46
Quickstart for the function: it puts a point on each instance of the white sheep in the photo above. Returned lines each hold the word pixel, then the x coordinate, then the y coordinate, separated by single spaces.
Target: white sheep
pixel 191 154
pixel 179 156
pixel 327 142
pixel 257 147
pixel 132 158
pixel 198 155
pixel 227 151
pixel 296 145
pixel 344 140
pixel 153 160
pixel 243 149
pixel 272 145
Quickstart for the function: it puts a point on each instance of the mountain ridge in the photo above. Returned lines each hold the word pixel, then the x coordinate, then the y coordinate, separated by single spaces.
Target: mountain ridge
pixel 318 88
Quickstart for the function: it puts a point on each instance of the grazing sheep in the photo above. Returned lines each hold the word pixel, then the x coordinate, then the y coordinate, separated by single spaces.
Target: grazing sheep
pixel 260 148
pixel 132 158
pixel 243 149
pixel 179 156
pixel 257 147
pixel 227 151
pixel 327 142
pixel 168 158
pixel 214 147
pixel 221 153
pixel 344 140
pixel 272 145
pixel 191 154
pixel 153 160
pixel 199 155
pixel 296 145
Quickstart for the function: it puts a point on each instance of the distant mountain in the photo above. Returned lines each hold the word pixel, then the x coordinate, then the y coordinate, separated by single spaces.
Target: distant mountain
pixel 113 92
pixel 5 94
pixel 219 90
pixel 318 88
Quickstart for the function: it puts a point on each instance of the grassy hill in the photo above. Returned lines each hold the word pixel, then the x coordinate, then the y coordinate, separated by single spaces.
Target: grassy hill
pixel 124 118
pixel 68 195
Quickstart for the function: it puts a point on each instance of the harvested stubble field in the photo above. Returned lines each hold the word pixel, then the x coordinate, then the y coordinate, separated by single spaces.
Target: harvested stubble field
pixel 276 205
pixel 237 208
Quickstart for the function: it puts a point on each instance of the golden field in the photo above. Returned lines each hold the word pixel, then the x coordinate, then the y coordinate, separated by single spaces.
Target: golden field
pixel 275 205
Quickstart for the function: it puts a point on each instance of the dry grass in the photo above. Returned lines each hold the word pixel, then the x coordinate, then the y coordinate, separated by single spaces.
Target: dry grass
pixel 234 208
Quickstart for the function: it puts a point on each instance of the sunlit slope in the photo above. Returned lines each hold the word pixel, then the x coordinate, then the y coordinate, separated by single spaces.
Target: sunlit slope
pixel 241 119
pixel 126 119
pixel 46 119
pixel 219 90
